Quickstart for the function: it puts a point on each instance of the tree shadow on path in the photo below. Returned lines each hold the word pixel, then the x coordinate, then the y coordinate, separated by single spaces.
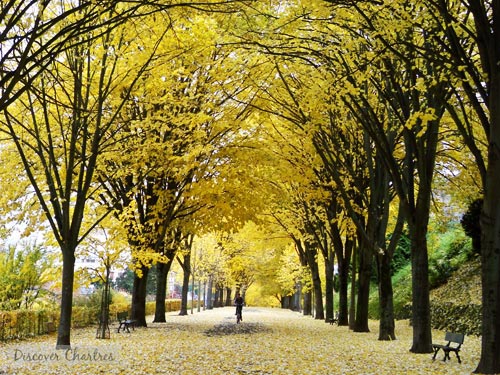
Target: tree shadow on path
pixel 230 327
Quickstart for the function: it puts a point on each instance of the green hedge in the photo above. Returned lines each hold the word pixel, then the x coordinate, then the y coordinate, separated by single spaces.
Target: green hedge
pixel 20 324
pixel 170 305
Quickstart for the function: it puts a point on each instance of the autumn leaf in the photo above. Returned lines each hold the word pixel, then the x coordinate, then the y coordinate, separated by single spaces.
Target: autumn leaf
pixel 268 341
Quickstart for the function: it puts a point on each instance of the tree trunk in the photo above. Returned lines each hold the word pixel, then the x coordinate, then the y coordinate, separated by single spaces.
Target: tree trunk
pixel 103 329
pixel 329 293
pixel 186 268
pixel 297 297
pixel 220 292
pixel 229 301
pixel 192 292
pixel 490 276
pixel 343 252
pixel 310 254
pixel 490 236
pixel 352 305
pixel 210 303
pixel 204 296
pixel 198 301
pixel 422 336
pixel 343 296
pixel 316 282
pixel 284 302
pixel 216 298
pixel 386 324
pixel 139 297
pixel 68 276
pixel 365 268
pixel 307 303
pixel 161 291
pixel 343 264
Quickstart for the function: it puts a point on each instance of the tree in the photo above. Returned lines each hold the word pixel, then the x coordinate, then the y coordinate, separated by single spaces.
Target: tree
pixel 23 275
pixel 293 101
pixel 170 247
pixel 125 281
pixel 299 217
pixel 185 263
pixel 49 46
pixel 414 91
pixel 108 247
pixel 395 93
pixel 287 277
pixel 181 125
pixel 469 34
pixel 61 128
pixel 362 182
pixel 33 33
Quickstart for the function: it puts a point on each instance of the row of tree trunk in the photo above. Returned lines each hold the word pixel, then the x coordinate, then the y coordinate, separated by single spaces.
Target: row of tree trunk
pixel 214 294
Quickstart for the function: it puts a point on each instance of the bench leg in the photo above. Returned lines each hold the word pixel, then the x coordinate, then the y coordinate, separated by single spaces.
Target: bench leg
pixel 436 350
pixel 458 357
pixel 122 327
pixel 126 326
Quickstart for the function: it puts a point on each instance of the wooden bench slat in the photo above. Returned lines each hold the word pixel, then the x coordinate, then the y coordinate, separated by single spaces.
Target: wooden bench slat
pixel 454 337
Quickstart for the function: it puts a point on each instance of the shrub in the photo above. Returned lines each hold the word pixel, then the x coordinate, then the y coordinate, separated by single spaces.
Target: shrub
pixel 20 324
pixel 402 293
pixel 83 316
pixel 471 225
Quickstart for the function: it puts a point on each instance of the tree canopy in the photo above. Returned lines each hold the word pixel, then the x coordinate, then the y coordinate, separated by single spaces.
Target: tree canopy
pixel 332 123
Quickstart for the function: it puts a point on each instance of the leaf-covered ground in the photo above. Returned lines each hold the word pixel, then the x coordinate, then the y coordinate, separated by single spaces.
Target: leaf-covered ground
pixel 268 341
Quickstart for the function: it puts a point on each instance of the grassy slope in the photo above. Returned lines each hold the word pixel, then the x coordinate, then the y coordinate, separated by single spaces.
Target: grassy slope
pixel 463 285
pixel 455 304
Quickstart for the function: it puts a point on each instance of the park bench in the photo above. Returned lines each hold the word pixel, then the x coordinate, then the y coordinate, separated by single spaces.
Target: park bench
pixel 335 319
pixel 455 341
pixel 124 322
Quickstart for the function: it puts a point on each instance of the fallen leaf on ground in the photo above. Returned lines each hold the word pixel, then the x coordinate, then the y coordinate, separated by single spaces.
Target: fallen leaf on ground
pixel 268 341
